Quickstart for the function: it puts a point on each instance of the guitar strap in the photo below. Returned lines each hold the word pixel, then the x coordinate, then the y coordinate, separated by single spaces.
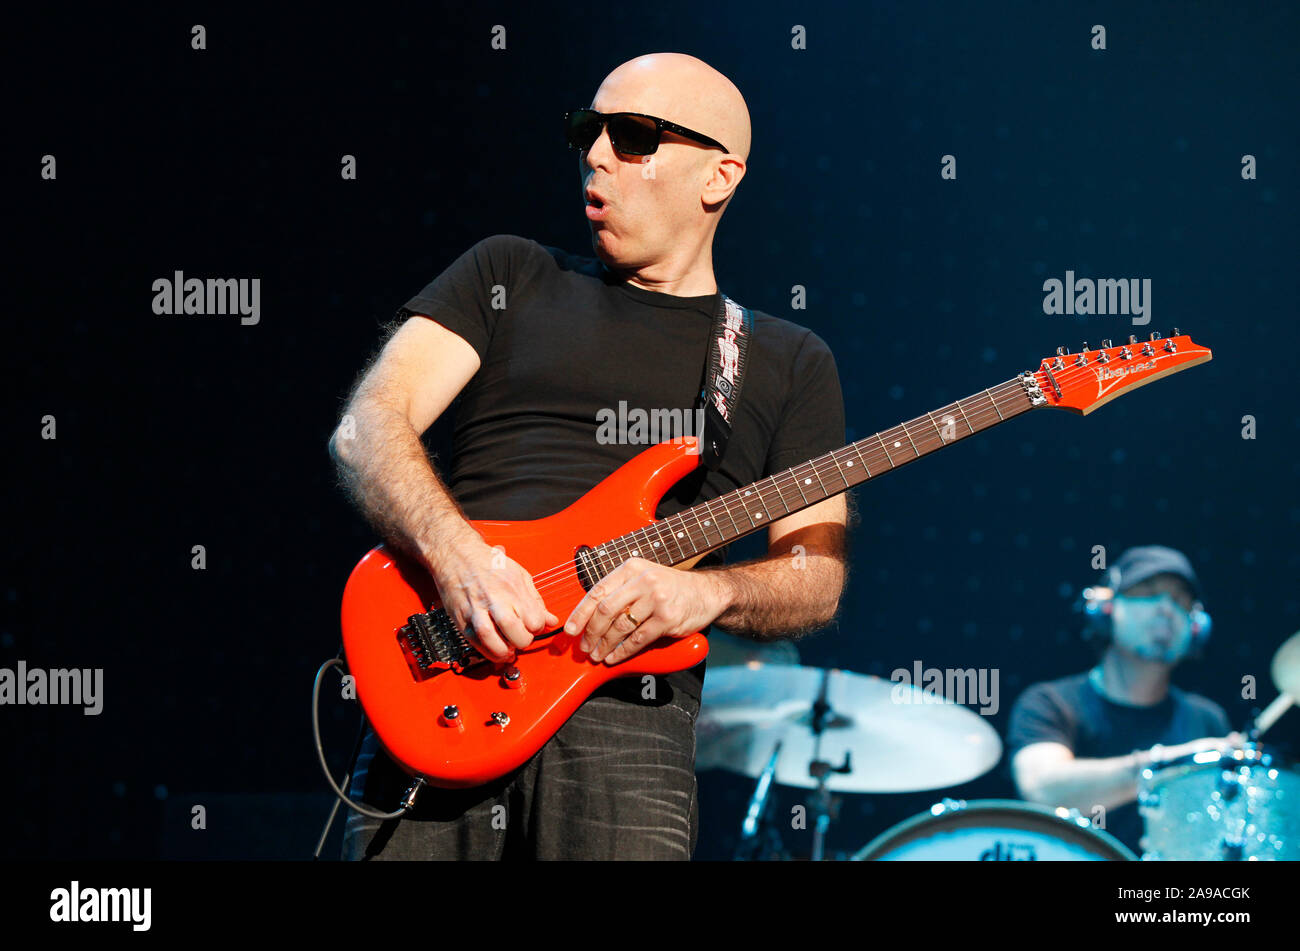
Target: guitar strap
pixel 733 326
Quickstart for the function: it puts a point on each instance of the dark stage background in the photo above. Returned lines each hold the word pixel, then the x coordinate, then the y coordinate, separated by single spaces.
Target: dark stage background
pixel 181 431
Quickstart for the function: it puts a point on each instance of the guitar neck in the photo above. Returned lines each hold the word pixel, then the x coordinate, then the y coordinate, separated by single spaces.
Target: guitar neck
pixel 710 525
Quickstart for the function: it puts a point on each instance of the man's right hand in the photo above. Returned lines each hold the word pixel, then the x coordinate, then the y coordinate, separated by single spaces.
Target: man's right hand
pixel 491 597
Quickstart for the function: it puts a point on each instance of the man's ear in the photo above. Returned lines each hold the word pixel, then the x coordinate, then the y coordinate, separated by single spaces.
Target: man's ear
pixel 723 182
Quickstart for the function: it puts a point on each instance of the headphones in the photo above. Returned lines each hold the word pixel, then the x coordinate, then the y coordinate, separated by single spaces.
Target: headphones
pixel 1098 602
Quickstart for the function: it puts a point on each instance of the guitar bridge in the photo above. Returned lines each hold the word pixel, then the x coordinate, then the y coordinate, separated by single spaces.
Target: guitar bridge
pixel 432 642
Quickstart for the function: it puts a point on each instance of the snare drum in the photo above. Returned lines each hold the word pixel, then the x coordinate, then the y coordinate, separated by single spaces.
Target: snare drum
pixel 994 830
pixel 1243 805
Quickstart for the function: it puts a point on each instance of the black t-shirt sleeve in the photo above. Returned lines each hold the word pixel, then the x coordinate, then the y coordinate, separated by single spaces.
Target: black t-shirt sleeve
pixel 470 294
pixel 1039 717
pixel 812 421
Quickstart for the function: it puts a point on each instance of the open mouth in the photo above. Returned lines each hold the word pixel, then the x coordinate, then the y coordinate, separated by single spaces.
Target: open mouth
pixel 596 208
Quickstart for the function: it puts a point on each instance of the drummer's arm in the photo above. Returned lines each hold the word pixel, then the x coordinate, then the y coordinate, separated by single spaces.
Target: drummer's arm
pixel 1048 773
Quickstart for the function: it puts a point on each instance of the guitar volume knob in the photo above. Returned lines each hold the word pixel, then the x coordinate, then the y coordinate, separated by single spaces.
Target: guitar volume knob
pixel 512 678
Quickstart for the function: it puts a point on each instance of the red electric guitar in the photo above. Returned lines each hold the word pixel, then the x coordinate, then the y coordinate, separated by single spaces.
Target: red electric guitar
pixel 448 715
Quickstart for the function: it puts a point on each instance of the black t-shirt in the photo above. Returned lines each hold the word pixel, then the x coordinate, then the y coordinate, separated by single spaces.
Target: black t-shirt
pixel 563 342
pixel 1073 712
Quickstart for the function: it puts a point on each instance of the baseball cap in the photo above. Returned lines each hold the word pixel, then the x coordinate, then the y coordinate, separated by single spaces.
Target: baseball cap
pixel 1146 561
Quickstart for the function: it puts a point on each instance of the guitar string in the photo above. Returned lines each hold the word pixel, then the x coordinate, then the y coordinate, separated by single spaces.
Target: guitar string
pixel 560 577
pixel 999 393
pixel 818 466
pixel 1068 376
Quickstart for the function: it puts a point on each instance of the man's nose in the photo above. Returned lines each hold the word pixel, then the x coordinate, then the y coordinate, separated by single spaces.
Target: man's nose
pixel 1170 607
pixel 601 151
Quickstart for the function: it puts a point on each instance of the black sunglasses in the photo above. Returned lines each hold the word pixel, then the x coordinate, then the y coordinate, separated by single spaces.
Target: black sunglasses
pixel 631 133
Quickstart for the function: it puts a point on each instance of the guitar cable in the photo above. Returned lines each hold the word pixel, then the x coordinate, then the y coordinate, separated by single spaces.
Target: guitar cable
pixel 408 799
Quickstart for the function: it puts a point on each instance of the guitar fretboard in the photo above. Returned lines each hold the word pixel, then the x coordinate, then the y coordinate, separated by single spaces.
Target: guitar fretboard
pixel 712 524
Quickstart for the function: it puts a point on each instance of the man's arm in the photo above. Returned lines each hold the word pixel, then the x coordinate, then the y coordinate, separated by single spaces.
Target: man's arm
pixel 795 588
pixel 378 452
pixel 1050 774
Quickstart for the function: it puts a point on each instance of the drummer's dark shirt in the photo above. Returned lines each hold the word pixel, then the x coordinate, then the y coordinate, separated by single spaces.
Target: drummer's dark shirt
pixel 1072 712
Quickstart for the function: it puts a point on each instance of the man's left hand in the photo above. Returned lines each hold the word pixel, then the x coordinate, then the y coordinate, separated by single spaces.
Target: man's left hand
pixel 641 601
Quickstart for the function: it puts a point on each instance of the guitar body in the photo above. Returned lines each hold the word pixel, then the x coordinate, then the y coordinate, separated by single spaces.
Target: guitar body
pixel 406 705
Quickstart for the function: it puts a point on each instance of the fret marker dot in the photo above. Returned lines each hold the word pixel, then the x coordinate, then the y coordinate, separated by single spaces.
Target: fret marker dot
pixel 635 554
pixel 758 515
pixel 807 481
pixel 706 521
pixel 681 534
pixel 748 492
pixel 897 444
pixel 656 544
pixel 849 464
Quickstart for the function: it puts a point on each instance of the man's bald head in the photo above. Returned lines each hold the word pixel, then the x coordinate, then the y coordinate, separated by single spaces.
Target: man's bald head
pixel 684 90
pixel 654 216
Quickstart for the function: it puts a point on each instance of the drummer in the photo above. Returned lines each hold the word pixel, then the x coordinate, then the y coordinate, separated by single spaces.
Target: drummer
pixel 1082 741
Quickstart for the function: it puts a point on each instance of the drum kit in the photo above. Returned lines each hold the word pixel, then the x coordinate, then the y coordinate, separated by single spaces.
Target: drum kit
pixel 836 732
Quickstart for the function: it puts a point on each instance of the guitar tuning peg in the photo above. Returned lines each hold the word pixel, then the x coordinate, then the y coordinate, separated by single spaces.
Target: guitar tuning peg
pixel 1155 335
pixel 1132 338
pixel 1062 351
pixel 1177 332
pixel 1105 343
pixel 1085 347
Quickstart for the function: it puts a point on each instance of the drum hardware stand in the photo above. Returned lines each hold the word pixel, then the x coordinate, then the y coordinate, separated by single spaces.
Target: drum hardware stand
pixel 824 806
pixel 758 819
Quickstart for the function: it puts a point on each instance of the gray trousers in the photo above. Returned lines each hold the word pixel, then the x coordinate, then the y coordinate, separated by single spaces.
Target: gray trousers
pixel 616 782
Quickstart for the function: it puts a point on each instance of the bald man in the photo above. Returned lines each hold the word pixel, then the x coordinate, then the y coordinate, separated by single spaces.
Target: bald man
pixel 539 347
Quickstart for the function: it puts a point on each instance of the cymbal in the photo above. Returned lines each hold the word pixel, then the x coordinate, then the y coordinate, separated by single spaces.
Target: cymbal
pixel 1286 666
pixel 899 738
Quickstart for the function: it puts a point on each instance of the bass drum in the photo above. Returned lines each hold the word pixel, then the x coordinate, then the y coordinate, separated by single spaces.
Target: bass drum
pixel 994 830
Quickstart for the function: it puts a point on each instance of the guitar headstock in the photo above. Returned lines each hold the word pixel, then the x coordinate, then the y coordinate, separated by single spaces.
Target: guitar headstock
pixel 1082 381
